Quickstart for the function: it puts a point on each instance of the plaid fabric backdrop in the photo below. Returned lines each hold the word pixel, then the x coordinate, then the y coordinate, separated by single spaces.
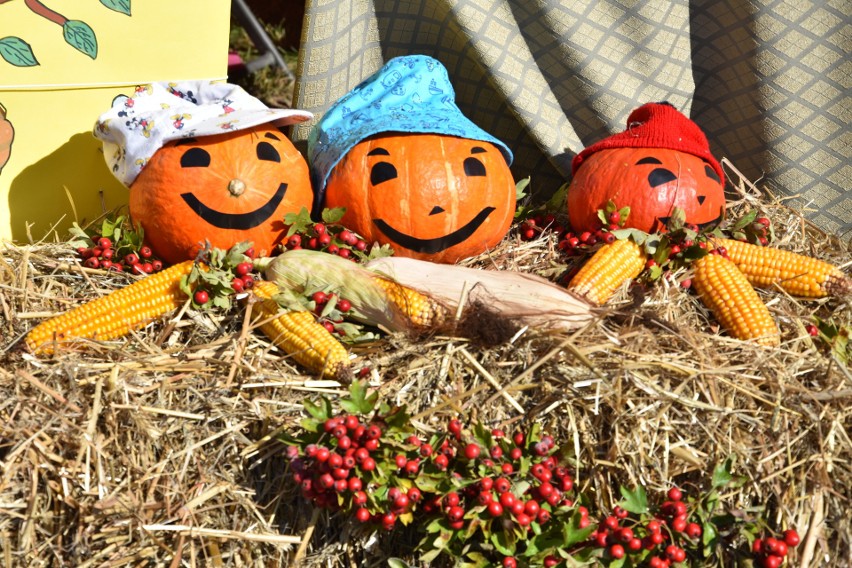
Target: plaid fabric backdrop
pixel 768 80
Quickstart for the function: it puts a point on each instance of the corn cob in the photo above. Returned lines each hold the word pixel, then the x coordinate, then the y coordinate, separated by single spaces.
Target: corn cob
pixel 797 274
pixel 727 293
pixel 376 300
pixel 115 314
pixel 299 335
pixel 610 267
pixel 420 309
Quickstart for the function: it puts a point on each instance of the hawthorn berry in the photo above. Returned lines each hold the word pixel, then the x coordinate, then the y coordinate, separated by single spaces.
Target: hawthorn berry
pixel 471 451
pixel 455 513
pixel 674 494
pixel 616 551
pixel 791 538
pixel 363 515
pixel 201 297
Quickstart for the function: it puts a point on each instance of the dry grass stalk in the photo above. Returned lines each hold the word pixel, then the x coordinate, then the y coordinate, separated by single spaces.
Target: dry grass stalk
pixel 147 451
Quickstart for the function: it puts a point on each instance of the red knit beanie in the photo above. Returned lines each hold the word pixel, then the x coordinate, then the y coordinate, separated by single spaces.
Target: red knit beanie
pixel 657 125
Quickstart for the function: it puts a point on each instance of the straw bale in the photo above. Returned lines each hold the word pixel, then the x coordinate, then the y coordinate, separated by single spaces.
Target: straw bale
pixel 151 450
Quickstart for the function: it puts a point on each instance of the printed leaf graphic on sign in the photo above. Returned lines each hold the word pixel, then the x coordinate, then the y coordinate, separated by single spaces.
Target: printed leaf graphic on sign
pixel 82 37
pixel 122 6
pixel 77 33
pixel 17 52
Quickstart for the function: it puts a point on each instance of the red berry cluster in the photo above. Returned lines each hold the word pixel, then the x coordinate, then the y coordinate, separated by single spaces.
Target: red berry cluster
pixel 571 243
pixel 480 494
pixel 665 537
pixel 104 255
pixel 331 310
pixel 535 226
pixel 331 238
pixel 337 464
pixel 770 552
pixel 244 279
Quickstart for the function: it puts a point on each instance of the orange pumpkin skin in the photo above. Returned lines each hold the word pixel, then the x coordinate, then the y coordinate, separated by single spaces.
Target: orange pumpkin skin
pixel 225 189
pixel 652 182
pixel 429 196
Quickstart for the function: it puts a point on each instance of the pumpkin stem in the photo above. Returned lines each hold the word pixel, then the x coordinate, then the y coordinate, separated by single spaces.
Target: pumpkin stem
pixel 236 187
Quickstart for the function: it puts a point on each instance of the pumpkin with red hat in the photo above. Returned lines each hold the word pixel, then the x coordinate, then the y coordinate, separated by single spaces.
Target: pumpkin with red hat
pixel 660 162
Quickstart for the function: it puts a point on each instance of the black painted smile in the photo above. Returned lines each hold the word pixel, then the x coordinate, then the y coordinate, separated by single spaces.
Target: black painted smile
pixel 240 221
pixel 431 246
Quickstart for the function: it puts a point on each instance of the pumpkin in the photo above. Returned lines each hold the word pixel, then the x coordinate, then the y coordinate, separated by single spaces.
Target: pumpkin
pixel 224 189
pixel 429 196
pixel 7 135
pixel 652 182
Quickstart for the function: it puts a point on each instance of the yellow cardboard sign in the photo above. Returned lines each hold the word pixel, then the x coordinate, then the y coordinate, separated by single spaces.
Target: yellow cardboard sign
pixel 61 65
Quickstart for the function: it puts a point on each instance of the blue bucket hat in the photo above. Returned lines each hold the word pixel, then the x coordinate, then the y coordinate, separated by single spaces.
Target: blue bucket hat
pixel 411 93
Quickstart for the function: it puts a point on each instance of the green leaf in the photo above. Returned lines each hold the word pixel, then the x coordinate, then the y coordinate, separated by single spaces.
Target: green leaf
pixel 634 501
pixel 321 411
pixel 722 474
pixel 122 6
pixel 397 563
pixel 745 220
pixel 17 52
pixel 333 215
pixel 359 402
pixel 430 555
pixel 298 222
pixel 572 533
pixel 520 188
pixel 78 237
pixel 504 544
pixel 81 37
pixel 677 219
pixel 557 201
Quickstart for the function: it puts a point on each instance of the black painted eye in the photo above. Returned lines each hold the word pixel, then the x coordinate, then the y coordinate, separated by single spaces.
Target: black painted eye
pixel 660 176
pixel 711 173
pixel 649 160
pixel 195 158
pixel 267 152
pixel 382 172
pixel 473 167
pixel 701 199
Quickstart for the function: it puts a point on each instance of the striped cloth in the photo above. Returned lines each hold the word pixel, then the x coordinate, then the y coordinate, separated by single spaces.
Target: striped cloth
pixel 769 81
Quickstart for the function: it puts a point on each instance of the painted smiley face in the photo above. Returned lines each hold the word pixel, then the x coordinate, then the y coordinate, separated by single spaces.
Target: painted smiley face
pixel 652 182
pixel 223 189
pixel 433 197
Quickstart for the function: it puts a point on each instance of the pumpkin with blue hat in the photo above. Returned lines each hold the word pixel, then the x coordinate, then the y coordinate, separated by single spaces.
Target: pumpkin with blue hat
pixel 205 163
pixel 410 169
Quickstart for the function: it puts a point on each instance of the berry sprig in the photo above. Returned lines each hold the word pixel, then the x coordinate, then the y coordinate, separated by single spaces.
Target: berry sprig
pixel 220 275
pixel 752 228
pixel 481 495
pixel 328 235
pixel 116 245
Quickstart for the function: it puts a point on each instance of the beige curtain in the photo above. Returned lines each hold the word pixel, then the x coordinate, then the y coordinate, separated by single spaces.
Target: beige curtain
pixel 768 81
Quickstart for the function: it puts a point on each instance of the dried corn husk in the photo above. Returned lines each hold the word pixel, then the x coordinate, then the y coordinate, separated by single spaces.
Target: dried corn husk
pixel 306 270
pixel 524 298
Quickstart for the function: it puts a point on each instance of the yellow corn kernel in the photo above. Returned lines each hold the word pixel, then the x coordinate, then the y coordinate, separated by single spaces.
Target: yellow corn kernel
pixel 113 315
pixel 421 310
pixel 299 335
pixel 610 267
pixel 797 274
pixel 728 294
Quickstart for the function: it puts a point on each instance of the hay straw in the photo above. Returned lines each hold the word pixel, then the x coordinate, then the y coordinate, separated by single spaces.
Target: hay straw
pixel 159 449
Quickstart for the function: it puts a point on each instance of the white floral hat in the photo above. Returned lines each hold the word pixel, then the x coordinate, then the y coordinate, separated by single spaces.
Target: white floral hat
pixel 138 125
